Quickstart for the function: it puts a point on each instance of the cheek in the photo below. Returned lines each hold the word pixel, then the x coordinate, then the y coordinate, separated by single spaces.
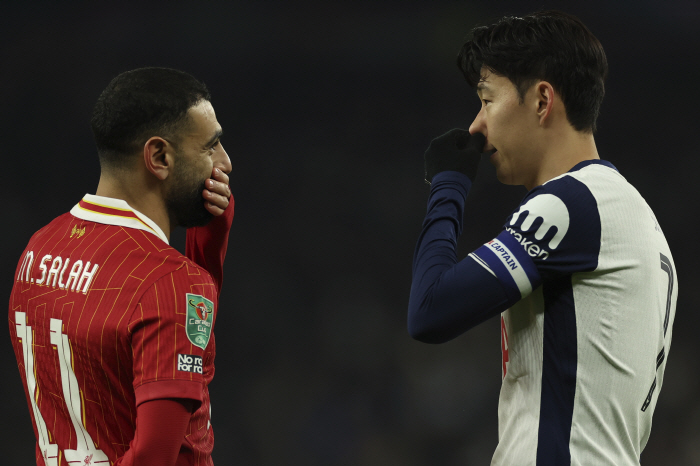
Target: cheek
pixel 508 128
pixel 204 166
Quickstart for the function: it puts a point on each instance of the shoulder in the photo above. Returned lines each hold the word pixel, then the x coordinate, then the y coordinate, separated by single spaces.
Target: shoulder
pixel 557 210
pixel 136 260
pixel 172 263
pixel 173 289
pixel 566 197
pixel 49 229
pixel 559 223
pixel 573 196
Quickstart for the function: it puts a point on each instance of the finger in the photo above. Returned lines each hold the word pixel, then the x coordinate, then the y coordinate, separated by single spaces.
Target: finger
pixel 219 175
pixel 217 200
pixel 213 209
pixel 218 187
pixel 454 138
pixel 476 142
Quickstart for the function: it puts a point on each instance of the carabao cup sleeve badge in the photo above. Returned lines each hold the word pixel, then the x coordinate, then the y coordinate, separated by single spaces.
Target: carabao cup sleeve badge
pixel 200 315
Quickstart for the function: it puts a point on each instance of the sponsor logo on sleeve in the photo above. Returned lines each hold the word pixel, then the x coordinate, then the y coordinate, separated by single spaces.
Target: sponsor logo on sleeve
pixel 553 213
pixel 189 363
pixel 200 316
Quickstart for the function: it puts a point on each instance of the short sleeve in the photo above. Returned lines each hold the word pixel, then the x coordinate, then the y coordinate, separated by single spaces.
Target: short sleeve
pixel 172 336
pixel 555 232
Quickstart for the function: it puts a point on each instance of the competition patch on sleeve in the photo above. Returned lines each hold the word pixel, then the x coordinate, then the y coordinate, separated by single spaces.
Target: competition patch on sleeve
pixel 505 257
pixel 200 315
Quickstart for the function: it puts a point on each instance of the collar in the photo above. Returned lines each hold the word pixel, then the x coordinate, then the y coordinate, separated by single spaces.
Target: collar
pixel 110 211
pixel 586 163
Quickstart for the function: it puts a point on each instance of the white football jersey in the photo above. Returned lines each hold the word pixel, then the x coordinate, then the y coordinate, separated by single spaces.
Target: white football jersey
pixel 585 347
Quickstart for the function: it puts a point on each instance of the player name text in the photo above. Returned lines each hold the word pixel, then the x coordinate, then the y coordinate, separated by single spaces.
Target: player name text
pixel 53 272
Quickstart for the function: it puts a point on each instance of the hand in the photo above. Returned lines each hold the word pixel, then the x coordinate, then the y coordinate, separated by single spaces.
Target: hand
pixel 216 193
pixel 456 150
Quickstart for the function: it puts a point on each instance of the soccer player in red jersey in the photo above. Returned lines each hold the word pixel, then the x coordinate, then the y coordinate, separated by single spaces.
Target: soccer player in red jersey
pixel 112 327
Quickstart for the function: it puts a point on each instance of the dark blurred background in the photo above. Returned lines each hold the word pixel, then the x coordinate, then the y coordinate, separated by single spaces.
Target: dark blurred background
pixel 327 109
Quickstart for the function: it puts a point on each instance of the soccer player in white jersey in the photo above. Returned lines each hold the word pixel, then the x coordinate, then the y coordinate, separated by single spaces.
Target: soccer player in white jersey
pixel 581 274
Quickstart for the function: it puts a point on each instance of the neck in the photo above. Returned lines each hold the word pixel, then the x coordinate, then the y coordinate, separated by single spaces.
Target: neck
pixel 563 153
pixel 141 194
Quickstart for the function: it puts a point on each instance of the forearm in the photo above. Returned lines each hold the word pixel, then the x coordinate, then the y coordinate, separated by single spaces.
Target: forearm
pixel 207 245
pixel 448 297
pixel 160 431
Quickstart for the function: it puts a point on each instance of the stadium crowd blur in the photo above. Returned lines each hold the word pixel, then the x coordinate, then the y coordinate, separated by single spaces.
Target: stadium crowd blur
pixel 327 108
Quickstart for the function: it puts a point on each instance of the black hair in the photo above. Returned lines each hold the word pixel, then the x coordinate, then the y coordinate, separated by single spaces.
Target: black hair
pixel 140 104
pixel 549 45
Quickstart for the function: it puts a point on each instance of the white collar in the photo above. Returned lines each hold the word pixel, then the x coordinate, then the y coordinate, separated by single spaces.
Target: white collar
pixel 110 211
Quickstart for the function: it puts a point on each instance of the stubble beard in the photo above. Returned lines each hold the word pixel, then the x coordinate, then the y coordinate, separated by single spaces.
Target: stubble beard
pixel 185 202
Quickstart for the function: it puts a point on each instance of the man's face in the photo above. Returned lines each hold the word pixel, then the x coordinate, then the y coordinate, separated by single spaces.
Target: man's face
pixel 198 152
pixel 510 128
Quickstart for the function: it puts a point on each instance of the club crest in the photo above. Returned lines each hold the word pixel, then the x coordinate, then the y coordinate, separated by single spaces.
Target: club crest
pixel 200 316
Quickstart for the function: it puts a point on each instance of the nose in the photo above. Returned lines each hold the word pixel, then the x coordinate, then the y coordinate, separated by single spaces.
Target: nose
pixel 222 161
pixel 479 124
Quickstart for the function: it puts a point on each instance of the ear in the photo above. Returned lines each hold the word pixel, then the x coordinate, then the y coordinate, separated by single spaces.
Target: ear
pixel 545 100
pixel 158 157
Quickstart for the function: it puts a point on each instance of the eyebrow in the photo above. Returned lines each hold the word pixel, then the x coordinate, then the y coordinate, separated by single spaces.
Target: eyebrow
pixel 482 87
pixel 216 136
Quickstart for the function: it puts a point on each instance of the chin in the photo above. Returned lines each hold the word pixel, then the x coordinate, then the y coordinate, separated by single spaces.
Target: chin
pixel 505 178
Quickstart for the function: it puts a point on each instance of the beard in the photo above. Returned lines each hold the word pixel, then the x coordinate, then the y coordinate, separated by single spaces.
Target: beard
pixel 185 202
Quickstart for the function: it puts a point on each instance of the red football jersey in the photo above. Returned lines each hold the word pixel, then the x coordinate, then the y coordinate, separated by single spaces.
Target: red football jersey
pixel 105 315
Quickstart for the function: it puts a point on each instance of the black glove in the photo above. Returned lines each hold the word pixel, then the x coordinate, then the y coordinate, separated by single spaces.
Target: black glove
pixel 456 150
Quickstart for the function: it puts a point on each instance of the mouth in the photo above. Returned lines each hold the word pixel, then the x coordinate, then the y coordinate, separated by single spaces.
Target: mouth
pixel 489 149
pixel 491 153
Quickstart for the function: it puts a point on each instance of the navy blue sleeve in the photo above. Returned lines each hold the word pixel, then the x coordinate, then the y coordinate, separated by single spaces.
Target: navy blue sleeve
pixel 449 297
pixel 554 233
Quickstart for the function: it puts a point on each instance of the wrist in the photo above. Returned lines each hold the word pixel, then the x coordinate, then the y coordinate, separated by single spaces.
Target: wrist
pixel 448 177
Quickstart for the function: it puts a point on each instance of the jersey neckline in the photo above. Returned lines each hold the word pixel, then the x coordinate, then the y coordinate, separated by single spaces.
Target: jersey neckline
pixel 586 163
pixel 110 211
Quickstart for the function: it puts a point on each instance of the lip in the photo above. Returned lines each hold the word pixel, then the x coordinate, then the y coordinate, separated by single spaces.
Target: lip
pixel 492 155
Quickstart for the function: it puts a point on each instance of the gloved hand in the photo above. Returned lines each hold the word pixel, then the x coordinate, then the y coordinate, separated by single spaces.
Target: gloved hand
pixel 456 150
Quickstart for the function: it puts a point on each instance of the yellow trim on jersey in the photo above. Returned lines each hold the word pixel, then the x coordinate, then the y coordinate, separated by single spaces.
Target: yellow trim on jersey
pixel 113 215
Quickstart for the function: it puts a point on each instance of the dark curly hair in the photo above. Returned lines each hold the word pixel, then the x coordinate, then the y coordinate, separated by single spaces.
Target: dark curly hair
pixel 140 104
pixel 549 45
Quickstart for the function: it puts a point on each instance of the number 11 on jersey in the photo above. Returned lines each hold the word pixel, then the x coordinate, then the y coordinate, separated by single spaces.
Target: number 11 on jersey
pixel 85 452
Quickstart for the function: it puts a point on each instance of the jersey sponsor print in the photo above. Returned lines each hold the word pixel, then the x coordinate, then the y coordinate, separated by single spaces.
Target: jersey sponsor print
pixel 592 294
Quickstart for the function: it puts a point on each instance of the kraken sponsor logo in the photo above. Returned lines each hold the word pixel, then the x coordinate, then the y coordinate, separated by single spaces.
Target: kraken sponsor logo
pixel 553 213
pixel 533 250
